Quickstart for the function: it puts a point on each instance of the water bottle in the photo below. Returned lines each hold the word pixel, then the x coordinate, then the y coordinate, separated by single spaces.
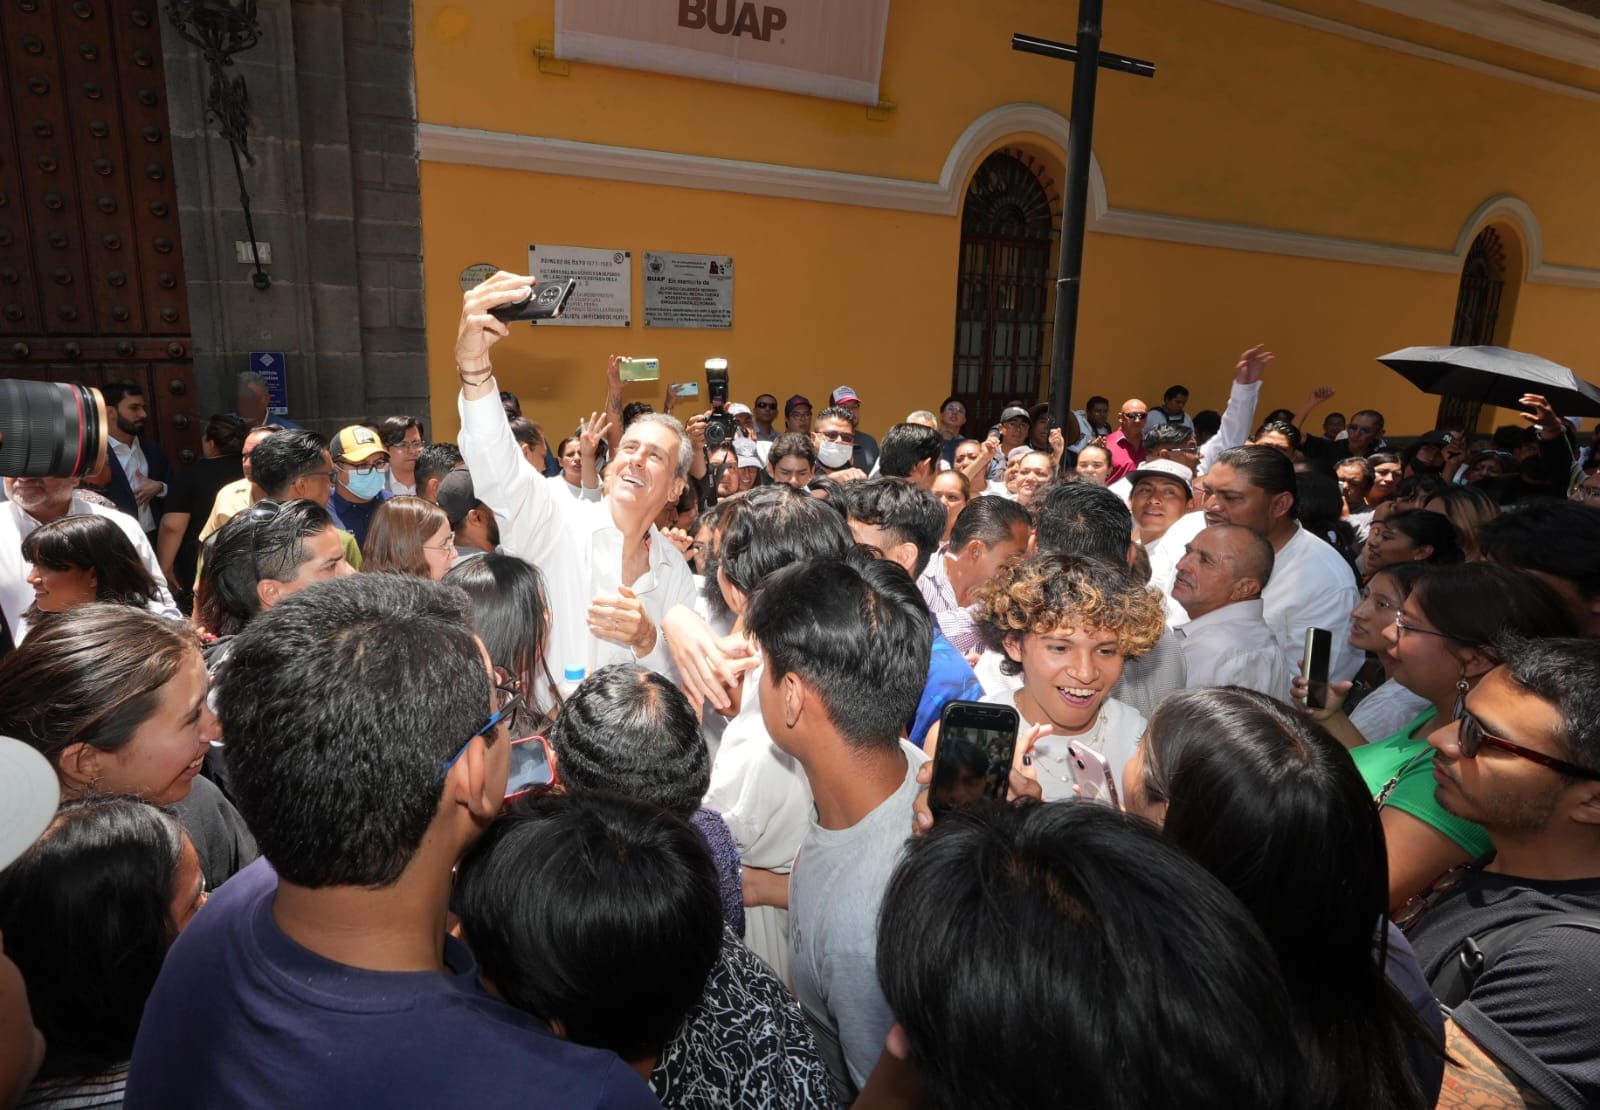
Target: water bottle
pixel 574 677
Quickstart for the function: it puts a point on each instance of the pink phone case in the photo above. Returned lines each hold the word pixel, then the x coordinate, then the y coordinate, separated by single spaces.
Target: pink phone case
pixel 1093 774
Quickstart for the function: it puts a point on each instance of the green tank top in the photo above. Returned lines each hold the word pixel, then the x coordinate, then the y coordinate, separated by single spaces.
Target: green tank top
pixel 1409 757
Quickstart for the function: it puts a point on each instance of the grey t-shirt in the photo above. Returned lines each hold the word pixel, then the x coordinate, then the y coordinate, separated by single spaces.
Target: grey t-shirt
pixel 834 892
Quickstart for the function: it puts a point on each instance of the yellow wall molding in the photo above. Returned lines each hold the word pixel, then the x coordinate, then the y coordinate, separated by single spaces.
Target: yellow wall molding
pixel 534 154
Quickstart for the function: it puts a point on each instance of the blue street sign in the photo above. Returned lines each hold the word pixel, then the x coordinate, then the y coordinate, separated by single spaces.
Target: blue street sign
pixel 273 368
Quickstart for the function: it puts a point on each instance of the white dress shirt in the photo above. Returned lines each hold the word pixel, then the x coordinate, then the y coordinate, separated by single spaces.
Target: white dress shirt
pixel 1234 646
pixel 1164 555
pixel 574 542
pixel 1238 421
pixel 130 456
pixel 1312 587
pixel 15 526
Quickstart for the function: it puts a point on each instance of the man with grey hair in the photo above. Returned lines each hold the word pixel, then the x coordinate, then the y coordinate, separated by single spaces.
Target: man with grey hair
pixel 253 402
pixel 1227 642
pixel 610 579
pixel 925 418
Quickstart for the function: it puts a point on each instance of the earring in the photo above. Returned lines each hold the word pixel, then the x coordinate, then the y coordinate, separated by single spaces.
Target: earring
pixel 1461 696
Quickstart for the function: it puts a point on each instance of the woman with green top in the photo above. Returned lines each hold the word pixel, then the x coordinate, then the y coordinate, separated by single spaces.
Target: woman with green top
pixel 1440 644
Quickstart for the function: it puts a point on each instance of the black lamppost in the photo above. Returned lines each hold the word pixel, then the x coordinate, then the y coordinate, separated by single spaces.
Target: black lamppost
pixel 221 29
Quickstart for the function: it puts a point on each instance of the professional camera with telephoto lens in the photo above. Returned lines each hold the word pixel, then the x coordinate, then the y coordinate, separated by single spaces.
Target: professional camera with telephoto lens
pixel 51 430
pixel 720 427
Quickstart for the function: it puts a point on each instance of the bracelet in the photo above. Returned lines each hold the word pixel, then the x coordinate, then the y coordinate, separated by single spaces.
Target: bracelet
pixel 488 373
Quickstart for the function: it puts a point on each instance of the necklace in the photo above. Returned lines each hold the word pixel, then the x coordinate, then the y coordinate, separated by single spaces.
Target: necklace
pixel 1093 738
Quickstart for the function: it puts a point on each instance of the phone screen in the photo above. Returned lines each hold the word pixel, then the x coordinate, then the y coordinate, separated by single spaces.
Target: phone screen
pixel 1319 647
pixel 976 745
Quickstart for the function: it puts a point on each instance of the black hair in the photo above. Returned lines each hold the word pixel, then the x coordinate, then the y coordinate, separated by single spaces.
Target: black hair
pixel 511 613
pixel 1422 487
pixel 1280 427
pixel 1175 391
pixel 1476 604
pixel 1266 468
pixel 627 730
pixel 93 542
pixel 1096 400
pixel 342 706
pixel 838 412
pixel 1359 461
pixel 906 513
pixel 435 461
pixel 989 520
pixel 773 527
pixel 1374 413
pixel 392 429
pixel 91 675
pixel 256 544
pixel 115 392
pixel 281 458
pixel 904 446
pixel 1566 673
pixel 509 402
pixel 791 444
pixel 1556 538
pixel 1165 437
pixel 1408 458
pixel 1509 437
pixel 1076 518
pixel 526 432
pixel 859 636
pixel 226 433
pixel 1428 529
pixel 1320 505
pixel 1380 458
pixel 1051 938
pixel 86 913
pixel 633 410
pixel 1207 422
pixel 572 902
pixel 1271 804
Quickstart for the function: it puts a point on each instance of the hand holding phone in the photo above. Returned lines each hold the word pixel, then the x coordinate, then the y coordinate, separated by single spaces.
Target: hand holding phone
pixel 1319 650
pixel 1092 774
pixel 977 743
pixel 546 300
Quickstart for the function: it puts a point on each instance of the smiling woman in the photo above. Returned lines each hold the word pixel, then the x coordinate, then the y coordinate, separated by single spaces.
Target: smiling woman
pixel 115 699
pixel 1067 625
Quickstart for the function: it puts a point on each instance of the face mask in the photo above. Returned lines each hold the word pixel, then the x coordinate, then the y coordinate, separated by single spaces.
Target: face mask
pixel 364 487
pixel 833 455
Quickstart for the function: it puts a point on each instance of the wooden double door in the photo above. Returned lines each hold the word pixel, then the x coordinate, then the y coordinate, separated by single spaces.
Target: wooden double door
pixel 91 260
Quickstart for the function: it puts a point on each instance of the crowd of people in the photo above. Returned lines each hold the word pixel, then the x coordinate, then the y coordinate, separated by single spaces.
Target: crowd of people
pixel 373 770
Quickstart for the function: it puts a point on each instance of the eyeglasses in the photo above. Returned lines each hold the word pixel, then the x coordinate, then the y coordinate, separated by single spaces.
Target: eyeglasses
pixel 409 446
pixel 1584 495
pixel 839 437
pixel 1401 628
pixel 1470 737
pixel 1136 417
pixel 328 474
pixel 449 545
pixel 370 468
pixel 766 404
pixel 261 514
pixel 507 703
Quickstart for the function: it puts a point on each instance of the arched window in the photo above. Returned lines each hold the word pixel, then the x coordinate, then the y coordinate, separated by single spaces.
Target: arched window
pixel 1483 281
pixel 1003 290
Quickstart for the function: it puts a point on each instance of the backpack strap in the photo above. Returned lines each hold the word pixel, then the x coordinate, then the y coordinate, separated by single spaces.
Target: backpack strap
pixel 1454 981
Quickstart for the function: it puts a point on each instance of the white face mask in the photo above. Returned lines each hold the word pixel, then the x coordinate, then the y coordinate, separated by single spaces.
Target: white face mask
pixel 832 454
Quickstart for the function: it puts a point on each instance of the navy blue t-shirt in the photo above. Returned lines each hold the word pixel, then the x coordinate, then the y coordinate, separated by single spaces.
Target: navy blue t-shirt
pixel 355 517
pixel 243 1016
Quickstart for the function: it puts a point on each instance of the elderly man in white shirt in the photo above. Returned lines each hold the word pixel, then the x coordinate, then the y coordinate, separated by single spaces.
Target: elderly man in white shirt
pixel 36 501
pixel 1312 586
pixel 1227 642
pixel 611 576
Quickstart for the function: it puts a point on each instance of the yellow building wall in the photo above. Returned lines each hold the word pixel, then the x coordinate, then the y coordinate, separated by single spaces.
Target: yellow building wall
pixel 1250 121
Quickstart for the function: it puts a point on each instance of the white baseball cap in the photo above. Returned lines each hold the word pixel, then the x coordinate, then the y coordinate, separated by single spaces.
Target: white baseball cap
pixel 29 794
pixel 1164 468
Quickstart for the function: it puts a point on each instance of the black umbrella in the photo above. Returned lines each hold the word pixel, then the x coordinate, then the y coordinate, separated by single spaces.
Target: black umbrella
pixel 1494 376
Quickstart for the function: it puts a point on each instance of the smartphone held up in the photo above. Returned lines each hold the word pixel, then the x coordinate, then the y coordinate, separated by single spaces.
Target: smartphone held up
pixel 1319 651
pixel 977 743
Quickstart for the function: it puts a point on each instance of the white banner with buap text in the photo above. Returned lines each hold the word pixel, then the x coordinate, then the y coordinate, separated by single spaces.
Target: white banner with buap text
pixel 828 48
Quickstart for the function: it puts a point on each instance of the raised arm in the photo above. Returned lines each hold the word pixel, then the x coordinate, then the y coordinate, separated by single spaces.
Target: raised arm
pixel 1239 417
pixel 613 406
pixel 528 514
pixel 1319 395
